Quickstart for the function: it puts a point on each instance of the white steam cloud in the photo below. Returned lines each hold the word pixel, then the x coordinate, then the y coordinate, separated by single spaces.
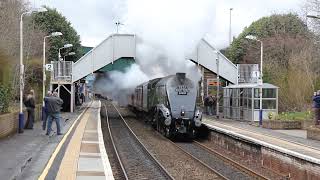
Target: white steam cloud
pixel 167 31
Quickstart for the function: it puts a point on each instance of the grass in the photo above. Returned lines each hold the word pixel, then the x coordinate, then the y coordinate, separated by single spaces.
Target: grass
pixel 306 115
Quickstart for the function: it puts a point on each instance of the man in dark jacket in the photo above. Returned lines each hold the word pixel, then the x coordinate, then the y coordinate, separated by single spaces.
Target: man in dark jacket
pixel 30 105
pixel 316 107
pixel 208 103
pixel 44 123
pixel 54 105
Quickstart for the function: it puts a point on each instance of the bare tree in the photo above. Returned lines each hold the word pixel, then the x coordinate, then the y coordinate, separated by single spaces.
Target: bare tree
pixel 10 12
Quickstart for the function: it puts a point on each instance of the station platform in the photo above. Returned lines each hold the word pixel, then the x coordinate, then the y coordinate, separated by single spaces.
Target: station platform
pixel 291 142
pixel 23 156
pixel 81 153
pixel 77 154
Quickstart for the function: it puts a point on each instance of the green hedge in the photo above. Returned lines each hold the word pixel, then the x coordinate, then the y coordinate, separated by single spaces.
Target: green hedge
pixel 5 97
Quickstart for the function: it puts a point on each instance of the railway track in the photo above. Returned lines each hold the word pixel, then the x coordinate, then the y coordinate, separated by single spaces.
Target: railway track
pixel 219 164
pixel 248 171
pixel 179 162
pixel 135 160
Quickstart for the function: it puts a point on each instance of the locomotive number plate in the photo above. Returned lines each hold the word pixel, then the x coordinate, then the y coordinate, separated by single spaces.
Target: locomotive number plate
pixel 182 90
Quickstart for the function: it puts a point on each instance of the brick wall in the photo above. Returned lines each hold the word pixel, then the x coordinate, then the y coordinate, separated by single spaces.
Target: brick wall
pixel 9 121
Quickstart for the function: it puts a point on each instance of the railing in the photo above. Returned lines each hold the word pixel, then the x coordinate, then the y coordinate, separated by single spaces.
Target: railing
pixel 248 73
pixel 62 72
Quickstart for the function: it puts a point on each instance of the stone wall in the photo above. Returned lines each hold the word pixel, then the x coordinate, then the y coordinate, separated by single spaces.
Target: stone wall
pixel 289 166
pixel 278 162
pixel 281 124
pixel 313 133
pixel 9 121
pixel 246 150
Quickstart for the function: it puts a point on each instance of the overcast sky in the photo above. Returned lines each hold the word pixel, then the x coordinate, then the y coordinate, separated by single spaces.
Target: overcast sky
pixel 94 19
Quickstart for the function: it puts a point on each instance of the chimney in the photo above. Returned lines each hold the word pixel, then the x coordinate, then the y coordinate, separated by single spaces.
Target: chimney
pixel 181 77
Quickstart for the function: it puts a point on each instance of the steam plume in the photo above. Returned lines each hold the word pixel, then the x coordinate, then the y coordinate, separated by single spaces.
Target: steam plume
pixel 167 31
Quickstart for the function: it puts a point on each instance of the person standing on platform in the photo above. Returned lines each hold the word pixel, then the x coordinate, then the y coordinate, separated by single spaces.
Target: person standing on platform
pixel 54 106
pixel 30 105
pixel 316 107
pixel 209 104
pixel 206 105
pixel 44 123
pixel 214 105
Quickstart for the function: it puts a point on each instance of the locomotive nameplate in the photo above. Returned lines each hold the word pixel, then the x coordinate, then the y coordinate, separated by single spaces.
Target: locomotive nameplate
pixel 182 90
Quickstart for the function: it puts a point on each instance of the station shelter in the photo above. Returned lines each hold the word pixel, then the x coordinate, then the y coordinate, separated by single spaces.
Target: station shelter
pixel 242 101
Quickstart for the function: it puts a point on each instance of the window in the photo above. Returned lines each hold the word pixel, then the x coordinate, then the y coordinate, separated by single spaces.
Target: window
pixel 256 92
pixel 266 104
pixel 266 93
pixel 269 93
pixel 269 104
pixel 256 104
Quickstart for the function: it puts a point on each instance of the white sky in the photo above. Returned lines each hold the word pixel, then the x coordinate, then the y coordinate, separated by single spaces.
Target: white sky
pixel 94 19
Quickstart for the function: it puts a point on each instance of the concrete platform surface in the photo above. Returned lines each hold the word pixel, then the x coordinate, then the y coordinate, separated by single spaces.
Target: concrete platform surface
pixel 23 156
pixel 294 132
pixel 84 155
pixel 291 142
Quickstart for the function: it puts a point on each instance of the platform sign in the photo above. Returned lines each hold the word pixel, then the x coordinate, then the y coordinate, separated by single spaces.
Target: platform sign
pixel 49 67
pixel 212 86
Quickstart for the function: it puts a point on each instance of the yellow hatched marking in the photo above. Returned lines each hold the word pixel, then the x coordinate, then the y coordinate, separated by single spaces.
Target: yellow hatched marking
pixel 56 151
pixel 69 165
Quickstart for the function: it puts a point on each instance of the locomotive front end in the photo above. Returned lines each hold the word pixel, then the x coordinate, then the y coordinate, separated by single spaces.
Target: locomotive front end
pixel 182 95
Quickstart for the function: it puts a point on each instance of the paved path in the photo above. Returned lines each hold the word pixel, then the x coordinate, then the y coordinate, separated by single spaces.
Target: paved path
pixel 23 156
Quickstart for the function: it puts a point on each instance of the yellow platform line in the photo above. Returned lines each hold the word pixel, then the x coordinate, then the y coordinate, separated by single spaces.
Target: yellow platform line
pixel 56 151
pixel 69 164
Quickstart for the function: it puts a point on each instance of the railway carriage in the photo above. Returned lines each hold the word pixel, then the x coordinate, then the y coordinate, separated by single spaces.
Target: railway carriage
pixel 169 104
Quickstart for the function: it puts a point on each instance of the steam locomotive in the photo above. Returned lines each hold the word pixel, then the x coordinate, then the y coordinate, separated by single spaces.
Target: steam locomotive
pixel 169 103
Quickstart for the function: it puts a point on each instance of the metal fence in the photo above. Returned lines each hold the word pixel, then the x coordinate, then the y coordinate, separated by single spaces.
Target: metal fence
pixel 62 72
pixel 248 73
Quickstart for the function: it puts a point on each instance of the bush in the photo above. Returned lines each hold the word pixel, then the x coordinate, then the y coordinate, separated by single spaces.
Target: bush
pixel 5 97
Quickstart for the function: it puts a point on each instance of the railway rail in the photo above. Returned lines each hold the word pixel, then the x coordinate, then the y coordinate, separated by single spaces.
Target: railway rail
pixel 135 160
pixel 235 164
pixel 144 153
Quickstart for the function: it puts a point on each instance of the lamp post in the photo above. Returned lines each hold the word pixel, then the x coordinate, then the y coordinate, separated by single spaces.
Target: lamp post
pixel 261 76
pixel 230 33
pixel 21 115
pixel 54 34
pixel 64 47
pixel 118 23
pixel 69 54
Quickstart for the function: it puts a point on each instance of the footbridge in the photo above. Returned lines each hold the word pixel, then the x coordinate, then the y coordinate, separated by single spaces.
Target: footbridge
pixel 119 46
pixel 119 51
